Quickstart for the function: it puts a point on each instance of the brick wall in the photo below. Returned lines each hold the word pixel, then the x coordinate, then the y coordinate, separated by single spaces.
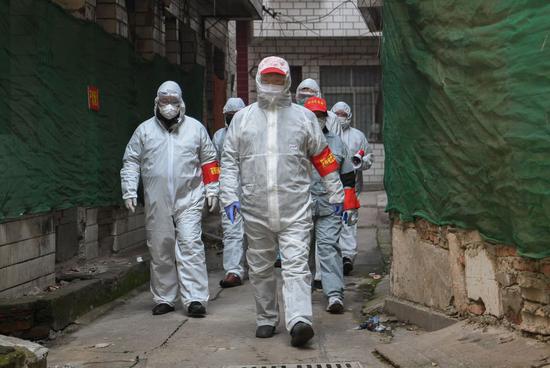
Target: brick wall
pixel 31 246
pixel 373 178
pixel 457 272
pixel 128 230
pixel 149 28
pixel 312 18
pixel 27 255
pixel 112 16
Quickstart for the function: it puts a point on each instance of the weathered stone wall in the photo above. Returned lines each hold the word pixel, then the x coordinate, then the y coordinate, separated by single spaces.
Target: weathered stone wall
pixel 31 246
pixel 27 255
pixel 457 272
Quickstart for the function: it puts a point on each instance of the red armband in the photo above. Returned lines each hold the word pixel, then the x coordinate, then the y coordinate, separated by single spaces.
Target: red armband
pixel 325 162
pixel 351 202
pixel 211 172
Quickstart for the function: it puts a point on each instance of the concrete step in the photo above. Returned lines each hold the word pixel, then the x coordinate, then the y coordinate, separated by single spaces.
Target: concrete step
pixel 17 353
pixel 33 316
pixel 467 345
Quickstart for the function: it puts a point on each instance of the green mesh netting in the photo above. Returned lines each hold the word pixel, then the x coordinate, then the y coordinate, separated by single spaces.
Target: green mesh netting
pixel 467 116
pixel 55 152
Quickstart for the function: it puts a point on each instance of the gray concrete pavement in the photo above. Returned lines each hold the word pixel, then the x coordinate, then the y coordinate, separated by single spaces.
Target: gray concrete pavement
pixel 129 336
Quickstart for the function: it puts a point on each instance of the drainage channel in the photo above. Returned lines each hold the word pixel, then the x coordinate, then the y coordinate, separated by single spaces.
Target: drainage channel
pixel 302 365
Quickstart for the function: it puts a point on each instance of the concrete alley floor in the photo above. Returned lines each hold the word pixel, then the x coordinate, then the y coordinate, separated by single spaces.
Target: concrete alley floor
pixel 129 336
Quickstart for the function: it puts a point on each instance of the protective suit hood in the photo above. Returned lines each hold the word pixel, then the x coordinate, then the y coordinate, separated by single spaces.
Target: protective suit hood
pixel 342 106
pixel 170 88
pixel 269 99
pixel 233 104
pixel 307 83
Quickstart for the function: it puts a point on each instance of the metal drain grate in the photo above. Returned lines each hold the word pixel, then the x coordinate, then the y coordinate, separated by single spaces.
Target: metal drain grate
pixel 302 365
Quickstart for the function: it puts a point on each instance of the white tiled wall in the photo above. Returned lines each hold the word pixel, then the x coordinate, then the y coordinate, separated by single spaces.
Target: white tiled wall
pixel 375 175
pixel 312 18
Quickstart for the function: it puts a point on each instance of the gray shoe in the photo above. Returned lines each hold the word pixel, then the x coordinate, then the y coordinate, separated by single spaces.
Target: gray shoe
pixel 162 308
pixel 301 333
pixel 196 309
pixel 265 331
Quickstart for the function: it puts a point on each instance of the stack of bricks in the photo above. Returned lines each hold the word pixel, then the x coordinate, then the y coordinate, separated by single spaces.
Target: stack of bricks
pixel 476 278
pixel 27 255
pixel 312 18
pixel 112 16
pixel 128 229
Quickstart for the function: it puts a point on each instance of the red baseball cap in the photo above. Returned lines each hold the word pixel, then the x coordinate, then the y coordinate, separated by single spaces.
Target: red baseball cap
pixel 273 70
pixel 274 64
pixel 316 104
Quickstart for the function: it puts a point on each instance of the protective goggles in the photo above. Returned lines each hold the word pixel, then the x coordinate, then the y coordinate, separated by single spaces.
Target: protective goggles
pixel 169 99
pixel 341 114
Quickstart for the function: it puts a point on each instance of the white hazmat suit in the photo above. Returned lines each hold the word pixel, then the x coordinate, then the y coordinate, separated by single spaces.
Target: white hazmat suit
pixel 357 144
pixel 233 233
pixel 267 155
pixel 178 166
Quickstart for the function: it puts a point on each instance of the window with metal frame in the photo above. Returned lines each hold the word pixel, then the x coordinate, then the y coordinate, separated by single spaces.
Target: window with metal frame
pixel 360 87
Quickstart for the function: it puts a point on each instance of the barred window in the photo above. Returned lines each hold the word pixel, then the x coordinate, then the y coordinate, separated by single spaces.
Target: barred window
pixel 360 87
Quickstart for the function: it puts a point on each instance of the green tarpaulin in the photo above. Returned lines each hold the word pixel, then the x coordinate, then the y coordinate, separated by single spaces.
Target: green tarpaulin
pixel 467 116
pixel 55 152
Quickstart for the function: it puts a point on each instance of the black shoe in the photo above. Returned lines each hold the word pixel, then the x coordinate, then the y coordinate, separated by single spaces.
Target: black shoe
pixel 196 309
pixel 335 307
pixel 265 331
pixel 348 266
pixel 277 263
pixel 231 280
pixel 317 284
pixel 162 308
pixel 301 333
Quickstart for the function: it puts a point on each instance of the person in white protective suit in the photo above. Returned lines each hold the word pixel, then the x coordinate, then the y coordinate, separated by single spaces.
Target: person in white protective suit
pixel 268 151
pixel 327 225
pixel 178 166
pixel 358 147
pixel 310 88
pixel 233 233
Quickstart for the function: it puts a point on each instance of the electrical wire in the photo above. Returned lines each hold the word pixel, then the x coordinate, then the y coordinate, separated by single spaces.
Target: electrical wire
pixel 319 18
pixel 294 22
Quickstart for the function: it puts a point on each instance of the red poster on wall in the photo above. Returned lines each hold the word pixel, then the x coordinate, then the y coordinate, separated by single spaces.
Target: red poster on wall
pixel 93 98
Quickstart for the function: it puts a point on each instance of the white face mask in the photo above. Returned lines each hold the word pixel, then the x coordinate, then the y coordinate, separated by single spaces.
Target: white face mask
pixel 169 111
pixel 322 122
pixel 272 88
pixel 344 121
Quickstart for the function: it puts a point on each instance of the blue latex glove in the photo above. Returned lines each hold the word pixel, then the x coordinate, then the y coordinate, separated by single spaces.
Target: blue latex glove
pixel 232 210
pixel 345 216
pixel 338 208
pixel 350 217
